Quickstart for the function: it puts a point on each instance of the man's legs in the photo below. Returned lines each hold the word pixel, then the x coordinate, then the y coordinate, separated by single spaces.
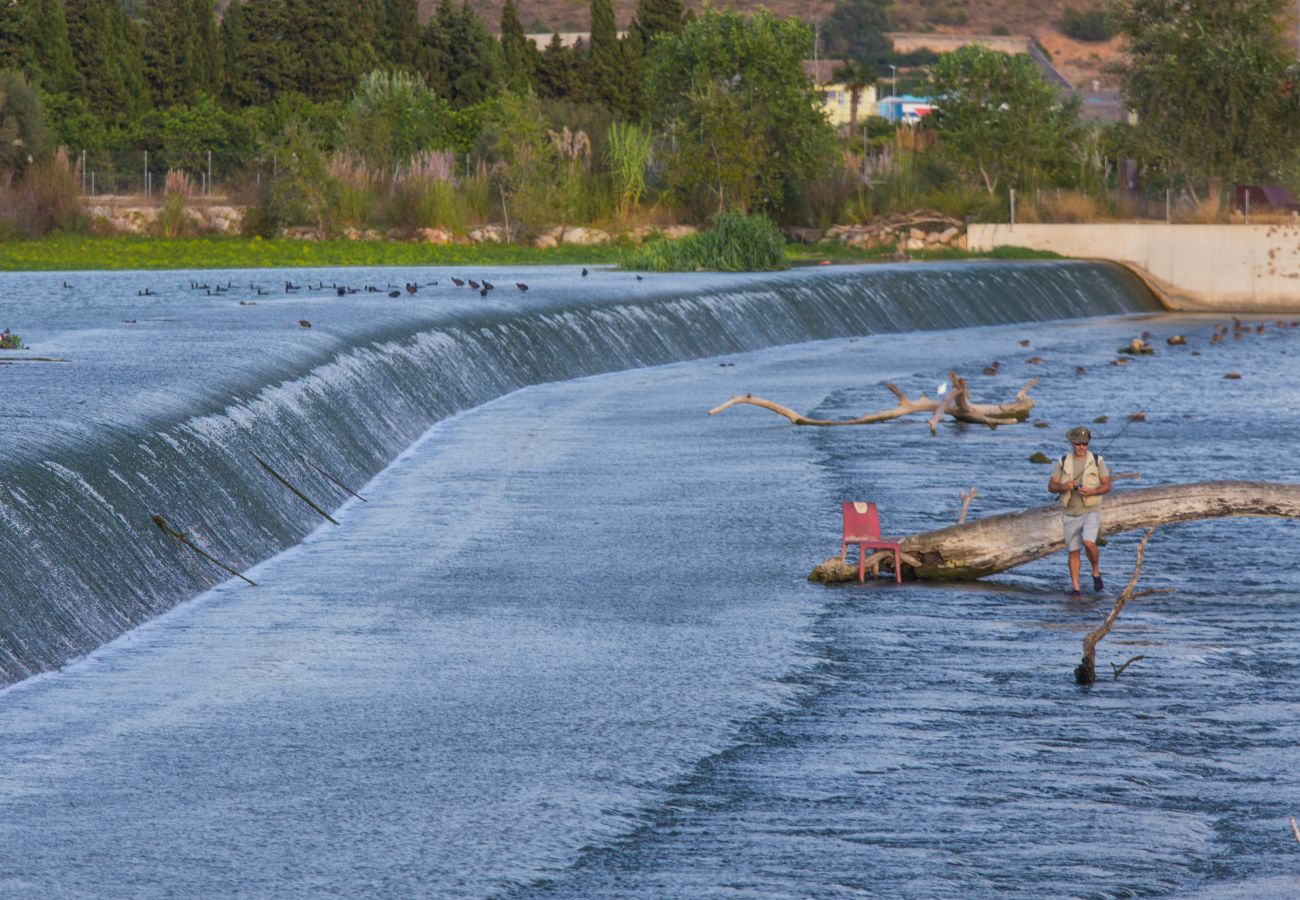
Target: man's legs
pixel 1093 557
pixel 1074 568
pixel 1091 526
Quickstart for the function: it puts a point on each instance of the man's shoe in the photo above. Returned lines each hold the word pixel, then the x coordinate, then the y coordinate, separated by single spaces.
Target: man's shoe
pixel 1096 583
pixel 1073 592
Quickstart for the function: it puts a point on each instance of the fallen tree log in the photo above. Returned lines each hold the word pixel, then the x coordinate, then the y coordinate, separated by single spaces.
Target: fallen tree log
pixel 997 543
pixel 957 405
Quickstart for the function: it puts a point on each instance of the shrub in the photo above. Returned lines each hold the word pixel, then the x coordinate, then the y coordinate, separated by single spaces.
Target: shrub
pixel 736 243
pixel 1092 25
pixel 45 199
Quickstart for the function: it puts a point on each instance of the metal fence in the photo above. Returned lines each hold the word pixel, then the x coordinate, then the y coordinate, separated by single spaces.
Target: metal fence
pixel 1173 206
pixel 144 173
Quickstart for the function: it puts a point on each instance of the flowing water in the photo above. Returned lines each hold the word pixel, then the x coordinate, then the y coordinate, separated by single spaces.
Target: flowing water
pixel 566 648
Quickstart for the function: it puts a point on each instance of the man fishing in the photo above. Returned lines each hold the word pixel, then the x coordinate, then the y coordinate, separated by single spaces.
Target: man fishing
pixel 1081 477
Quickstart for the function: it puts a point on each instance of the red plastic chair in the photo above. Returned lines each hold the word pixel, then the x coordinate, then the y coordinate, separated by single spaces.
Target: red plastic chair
pixel 862 527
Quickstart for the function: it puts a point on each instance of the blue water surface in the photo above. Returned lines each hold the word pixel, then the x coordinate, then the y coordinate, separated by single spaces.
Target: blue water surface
pixel 566 647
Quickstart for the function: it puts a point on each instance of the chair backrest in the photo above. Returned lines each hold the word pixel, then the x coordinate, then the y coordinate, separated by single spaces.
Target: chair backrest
pixel 861 521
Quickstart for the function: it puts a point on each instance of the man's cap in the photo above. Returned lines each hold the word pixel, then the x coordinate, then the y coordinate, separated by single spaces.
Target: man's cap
pixel 1078 435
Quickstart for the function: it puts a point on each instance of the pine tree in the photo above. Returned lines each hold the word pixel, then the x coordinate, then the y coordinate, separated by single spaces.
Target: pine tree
pixel 463 55
pixel 259 59
pixel 605 62
pixel 656 17
pixel 169 42
pixel 333 42
pixel 518 55
pixel 109 70
pixel 402 33
pixel 47 28
pixel 434 57
pixel 205 59
pixel 237 80
pixel 555 70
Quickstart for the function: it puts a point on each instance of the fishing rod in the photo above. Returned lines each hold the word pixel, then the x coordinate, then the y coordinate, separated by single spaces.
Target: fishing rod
pixel 1131 419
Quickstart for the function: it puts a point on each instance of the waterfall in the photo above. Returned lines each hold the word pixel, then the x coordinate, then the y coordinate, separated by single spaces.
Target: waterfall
pixel 81 560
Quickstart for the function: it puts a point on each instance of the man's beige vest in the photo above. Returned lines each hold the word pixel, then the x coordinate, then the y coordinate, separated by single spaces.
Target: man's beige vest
pixel 1091 478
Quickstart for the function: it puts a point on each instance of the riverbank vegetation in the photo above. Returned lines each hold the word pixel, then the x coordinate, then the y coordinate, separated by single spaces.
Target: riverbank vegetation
pixel 353 119
pixel 72 252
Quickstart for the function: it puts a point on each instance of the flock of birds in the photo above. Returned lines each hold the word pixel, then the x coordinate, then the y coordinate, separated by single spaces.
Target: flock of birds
pixel 483 287
pixel 217 289
pixel 1141 346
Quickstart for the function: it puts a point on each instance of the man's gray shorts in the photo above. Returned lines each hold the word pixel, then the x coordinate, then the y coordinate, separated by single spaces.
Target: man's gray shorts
pixel 1081 528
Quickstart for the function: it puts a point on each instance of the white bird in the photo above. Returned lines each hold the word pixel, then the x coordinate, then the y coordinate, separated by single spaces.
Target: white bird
pixel 942 388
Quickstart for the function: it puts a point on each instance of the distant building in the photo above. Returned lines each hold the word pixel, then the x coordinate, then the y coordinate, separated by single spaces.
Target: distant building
pixel 567 38
pixel 905 108
pixel 837 99
pixel 1096 105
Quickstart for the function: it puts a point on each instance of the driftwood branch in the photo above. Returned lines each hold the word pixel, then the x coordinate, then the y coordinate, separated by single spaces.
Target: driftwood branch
pixel 184 541
pixel 997 543
pixel 1120 669
pixel 1086 671
pixel 957 404
pixel 297 493
pixel 1295 829
pixel 966 498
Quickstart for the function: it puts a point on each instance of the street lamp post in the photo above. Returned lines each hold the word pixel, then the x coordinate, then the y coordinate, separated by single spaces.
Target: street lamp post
pixel 893 80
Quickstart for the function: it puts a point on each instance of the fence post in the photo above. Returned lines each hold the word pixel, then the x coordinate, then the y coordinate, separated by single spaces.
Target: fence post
pixel 209 190
pixel 1247 205
pixel 1013 207
pixel 146 174
pixel 1168 217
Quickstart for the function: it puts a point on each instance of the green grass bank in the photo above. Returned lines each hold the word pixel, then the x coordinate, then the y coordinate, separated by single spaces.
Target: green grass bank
pixel 77 252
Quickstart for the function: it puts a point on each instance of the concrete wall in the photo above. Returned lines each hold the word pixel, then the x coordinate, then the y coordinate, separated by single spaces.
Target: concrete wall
pixel 906 42
pixel 1221 268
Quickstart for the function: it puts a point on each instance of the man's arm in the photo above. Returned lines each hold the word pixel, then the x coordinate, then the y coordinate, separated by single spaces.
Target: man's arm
pixel 1103 472
pixel 1056 486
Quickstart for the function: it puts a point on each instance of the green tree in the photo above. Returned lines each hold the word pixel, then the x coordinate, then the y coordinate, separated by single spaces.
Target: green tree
pixel 187 133
pixel 1213 85
pixel 518 55
pixel 205 59
pixel 34 39
pixel 402 31
pixel 1000 122
pixel 656 17
pixel 109 70
pixel 856 78
pixel 169 49
pixel 604 75
pixel 24 136
pixel 259 55
pixel 856 29
pixel 515 134
pixel 459 57
pixel 334 42
pixel 393 116
pixel 747 123
pixel 555 70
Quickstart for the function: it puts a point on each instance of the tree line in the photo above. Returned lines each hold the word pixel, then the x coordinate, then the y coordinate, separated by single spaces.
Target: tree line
pixel 363 114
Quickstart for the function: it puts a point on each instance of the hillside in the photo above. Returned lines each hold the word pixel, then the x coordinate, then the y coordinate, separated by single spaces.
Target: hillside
pixel 1078 61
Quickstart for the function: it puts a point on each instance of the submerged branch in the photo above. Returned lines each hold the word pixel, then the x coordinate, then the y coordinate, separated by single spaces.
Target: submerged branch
pixel 957 404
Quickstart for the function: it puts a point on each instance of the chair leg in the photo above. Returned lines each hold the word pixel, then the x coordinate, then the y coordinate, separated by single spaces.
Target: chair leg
pixel 862 564
pixel 898 569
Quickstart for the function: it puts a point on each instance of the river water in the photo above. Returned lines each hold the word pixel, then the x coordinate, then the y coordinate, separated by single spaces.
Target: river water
pixel 566 646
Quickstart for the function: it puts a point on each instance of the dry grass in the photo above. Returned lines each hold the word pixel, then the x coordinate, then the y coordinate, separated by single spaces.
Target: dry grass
pixel 1070 207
